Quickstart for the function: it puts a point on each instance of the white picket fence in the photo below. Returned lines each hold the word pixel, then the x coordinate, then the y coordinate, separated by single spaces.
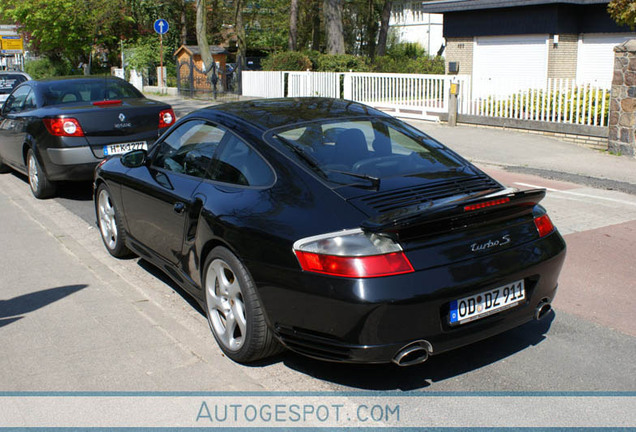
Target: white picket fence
pixel 427 96
pixel 263 84
pixel 556 101
pixel 324 84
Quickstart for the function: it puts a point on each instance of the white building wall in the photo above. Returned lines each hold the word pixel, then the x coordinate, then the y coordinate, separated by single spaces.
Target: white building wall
pixel 411 24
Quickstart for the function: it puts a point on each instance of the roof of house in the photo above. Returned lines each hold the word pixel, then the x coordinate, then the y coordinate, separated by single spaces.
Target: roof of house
pixel 194 50
pixel 444 6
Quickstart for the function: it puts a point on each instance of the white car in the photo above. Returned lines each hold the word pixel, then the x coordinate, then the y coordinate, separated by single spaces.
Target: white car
pixel 8 80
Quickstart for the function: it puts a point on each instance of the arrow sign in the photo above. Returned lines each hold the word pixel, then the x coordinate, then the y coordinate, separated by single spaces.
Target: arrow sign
pixel 161 26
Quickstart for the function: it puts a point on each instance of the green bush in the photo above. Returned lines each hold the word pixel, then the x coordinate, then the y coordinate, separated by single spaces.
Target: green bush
pixel 422 65
pixel 409 58
pixel 286 61
pixel 337 62
pixel 46 68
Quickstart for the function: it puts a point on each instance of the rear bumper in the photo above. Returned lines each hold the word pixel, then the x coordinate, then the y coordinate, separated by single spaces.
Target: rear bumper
pixel 371 320
pixel 74 163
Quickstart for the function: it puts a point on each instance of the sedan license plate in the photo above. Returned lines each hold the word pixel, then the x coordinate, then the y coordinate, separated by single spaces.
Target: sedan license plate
pixel 487 303
pixel 124 147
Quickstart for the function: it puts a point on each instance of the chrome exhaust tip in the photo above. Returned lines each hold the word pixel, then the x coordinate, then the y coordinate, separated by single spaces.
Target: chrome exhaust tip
pixel 543 308
pixel 413 353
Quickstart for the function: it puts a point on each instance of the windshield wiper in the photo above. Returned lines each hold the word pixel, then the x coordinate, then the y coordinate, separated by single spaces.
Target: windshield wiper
pixel 375 181
pixel 304 156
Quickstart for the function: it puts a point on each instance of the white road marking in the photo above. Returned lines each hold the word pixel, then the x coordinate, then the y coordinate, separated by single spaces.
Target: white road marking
pixel 579 194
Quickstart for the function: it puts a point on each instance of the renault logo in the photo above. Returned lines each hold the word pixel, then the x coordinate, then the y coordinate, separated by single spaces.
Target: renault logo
pixel 122 117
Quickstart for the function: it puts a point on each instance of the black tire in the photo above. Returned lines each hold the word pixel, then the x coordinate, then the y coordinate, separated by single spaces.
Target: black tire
pixel 40 185
pixel 231 298
pixel 109 223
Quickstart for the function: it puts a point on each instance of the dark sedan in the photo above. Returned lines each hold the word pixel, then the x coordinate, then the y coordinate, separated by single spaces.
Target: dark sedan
pixel 58 130
pixel 332 229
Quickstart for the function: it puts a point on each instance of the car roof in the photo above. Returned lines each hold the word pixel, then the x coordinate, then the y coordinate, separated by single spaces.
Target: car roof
pixel 14 73
pixel 81 78
pixel 272 113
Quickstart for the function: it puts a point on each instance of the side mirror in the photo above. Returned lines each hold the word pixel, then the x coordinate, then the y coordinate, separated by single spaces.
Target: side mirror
pixel 134 159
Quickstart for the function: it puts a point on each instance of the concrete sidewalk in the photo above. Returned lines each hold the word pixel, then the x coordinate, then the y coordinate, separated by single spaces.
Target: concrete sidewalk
pixel 514 150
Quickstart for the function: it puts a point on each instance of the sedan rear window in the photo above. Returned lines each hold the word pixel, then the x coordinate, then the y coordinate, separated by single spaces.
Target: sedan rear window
pixel 375 148
pixel 73 91
pixel 9 81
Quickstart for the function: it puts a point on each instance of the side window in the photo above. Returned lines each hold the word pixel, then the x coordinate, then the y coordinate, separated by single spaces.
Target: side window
pixel 238 163
pixel 16 101
pixel 189 148
pixel 29 103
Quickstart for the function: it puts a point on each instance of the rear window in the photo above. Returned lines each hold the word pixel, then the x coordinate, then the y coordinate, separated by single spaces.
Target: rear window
pixel 375 148
pixel 67 92
pixel 9 81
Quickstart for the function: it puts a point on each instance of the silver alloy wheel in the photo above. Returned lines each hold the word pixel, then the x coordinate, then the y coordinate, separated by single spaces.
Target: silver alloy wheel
pixel 226 309
pixel 107 221
pixel 34 179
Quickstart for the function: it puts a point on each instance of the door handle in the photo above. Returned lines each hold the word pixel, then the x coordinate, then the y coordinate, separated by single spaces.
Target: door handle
pixel 179 208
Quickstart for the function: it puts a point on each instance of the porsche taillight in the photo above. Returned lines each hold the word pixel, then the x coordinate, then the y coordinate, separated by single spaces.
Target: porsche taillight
pixel 352 254
pixel 544 225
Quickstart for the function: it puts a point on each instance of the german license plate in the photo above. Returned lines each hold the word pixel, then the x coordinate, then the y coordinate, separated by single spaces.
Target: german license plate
pixel 487 303
pixel 124 147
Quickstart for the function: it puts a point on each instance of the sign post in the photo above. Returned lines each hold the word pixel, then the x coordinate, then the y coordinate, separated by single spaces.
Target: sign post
pixel 161 26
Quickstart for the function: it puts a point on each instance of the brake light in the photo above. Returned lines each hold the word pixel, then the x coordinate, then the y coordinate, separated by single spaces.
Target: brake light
pixel 352 253
pixel 66 127
pixel 166 118
pixel 544 225
pixel 107 102
pixel 486 204
pixel 355 267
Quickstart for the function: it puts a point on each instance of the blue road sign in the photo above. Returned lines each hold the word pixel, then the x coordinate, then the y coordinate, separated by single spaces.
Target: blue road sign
pixel 161 26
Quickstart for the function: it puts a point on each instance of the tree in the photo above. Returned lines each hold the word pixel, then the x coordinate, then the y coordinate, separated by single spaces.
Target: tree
pixel 332 10
pixel 384 27
pixel 202 38
pixel 293 25
pixel 623 12
pixel 68 29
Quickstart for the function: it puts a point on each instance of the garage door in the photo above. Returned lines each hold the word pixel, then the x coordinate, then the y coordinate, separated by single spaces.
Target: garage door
pixel 504 64
pixel 595 61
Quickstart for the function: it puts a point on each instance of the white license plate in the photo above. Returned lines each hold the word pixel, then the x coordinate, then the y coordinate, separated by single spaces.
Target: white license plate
pixel 124 147
pixel 486 303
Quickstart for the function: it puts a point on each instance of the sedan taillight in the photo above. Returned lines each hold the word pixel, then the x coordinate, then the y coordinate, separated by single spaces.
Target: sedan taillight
pixel 166 118
pixel 352 253
pixel 65 127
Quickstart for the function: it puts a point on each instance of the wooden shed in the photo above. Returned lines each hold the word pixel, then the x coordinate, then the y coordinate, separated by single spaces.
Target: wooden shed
pixel 190 71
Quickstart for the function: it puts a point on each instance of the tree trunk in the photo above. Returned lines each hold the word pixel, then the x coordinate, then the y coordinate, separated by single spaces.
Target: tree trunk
pixel 293 25
pixel 184 28
pixel 240 42
pixel 384 28
pixel 315 33
pixel 333 26
pixel 372 29
pixel 202 41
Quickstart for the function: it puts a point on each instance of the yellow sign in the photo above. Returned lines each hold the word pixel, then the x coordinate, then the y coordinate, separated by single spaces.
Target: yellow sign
pixel 11 45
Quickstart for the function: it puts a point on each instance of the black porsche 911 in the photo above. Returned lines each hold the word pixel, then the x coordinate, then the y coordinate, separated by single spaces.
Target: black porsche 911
pixel 60 129
pixel 332 229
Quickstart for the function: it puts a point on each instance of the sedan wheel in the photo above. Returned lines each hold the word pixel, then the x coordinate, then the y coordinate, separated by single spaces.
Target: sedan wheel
pixel 234 311
pixel 110 228
pixel 40 185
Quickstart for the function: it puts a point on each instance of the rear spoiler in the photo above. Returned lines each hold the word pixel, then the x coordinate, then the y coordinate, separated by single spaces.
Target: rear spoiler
pixel 457 212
